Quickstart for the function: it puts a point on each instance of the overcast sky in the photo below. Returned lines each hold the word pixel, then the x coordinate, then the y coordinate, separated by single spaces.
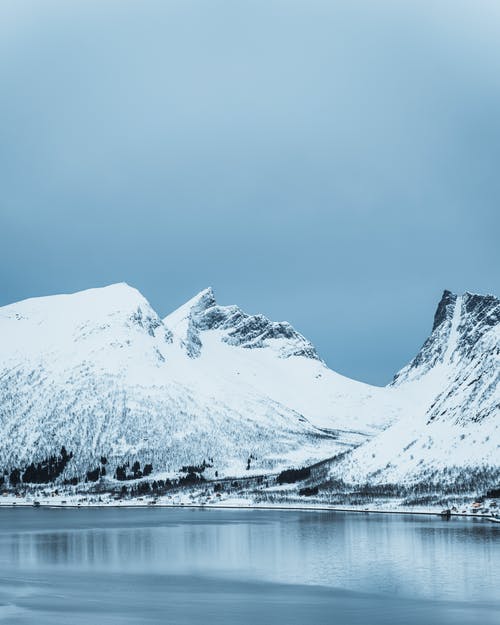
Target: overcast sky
pixel 335 164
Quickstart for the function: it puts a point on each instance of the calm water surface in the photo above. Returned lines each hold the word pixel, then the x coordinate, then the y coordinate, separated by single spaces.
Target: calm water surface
pixel 148 566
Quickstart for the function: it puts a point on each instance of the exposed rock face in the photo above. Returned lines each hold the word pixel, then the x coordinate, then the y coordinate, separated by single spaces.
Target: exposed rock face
pixel 445 309
pixel 463 349
pixel 202 314
pixel 465 327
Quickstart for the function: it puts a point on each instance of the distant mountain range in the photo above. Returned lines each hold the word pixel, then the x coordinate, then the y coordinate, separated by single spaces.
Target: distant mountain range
pixel 95 386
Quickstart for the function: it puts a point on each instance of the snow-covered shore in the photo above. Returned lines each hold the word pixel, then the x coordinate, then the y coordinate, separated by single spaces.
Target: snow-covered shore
pixel 487 511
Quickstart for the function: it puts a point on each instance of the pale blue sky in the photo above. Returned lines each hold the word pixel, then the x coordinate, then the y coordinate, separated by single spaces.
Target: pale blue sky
pixel 335 164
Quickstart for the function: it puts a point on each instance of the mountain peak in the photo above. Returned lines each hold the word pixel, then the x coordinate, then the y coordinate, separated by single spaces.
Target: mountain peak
pixel 460 323
pixel 445 308
pixel 179 318
pixel 473 303
pixel 481 305
pixel 204 299
pixel 239 329
pixel 114 297
pixel 474 307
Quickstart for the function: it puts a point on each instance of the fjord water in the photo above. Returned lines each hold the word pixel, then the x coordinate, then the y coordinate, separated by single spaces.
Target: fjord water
pixel 190 566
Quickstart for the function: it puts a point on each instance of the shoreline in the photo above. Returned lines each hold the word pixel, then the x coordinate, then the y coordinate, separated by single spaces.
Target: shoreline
pixel 280 507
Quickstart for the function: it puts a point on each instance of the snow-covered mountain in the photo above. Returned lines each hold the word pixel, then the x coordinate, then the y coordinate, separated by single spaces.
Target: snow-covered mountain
pixel 102 375
pixel 451 429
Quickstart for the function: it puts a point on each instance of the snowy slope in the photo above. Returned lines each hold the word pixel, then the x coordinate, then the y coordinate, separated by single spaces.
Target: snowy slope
pixel 452 425
pixel 274 360
pixel 99 373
